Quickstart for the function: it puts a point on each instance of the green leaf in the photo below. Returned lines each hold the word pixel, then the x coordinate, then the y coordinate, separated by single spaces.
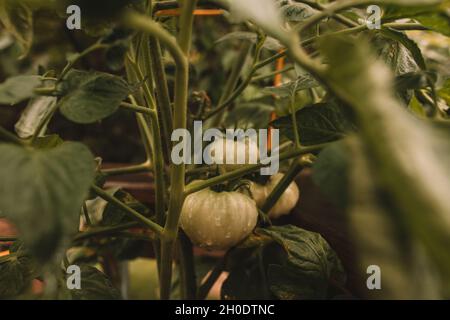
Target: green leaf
pixel 309 266
pixel 296 264
pixel 270 43
pixel 305 81
pixel 406 83
pixel 444 92
pixel 330 173
pixel 249 115
pixel 115 55
pixel 16 272
pixel 42 192
pixel 439 22
pixel 119 41
pixel 297 12
pixel 17 89
pixel 91 96
pixel 17 18
pixel 403 147
pixel 413 80
pixel 48 142
pixel 95 285
pixel 402 59
pixel 397 253
pixel 317 123
pixel 435 17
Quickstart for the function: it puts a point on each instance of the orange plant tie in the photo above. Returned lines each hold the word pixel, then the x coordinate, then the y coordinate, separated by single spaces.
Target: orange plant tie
pixel 4 253
pixel 197 12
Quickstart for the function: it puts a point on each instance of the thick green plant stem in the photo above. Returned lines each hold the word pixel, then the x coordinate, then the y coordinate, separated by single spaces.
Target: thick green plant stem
pixel 145 62
pixel 162 91
pixel 294 118
pixel 137 168
pixel 284 183
pixel 152 134
pixel 177 174
pixel 158 166
pixel 187 267
pixel 131 212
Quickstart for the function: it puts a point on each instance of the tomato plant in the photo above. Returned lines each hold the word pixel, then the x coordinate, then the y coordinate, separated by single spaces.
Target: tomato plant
pixel 362 110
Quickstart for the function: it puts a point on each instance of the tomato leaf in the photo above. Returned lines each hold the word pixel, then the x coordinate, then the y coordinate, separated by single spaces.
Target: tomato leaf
pixel 249 115
pixel 296 264
pixel 444 92
pixel 400 145
pixel 330 173
pixel 15 274
pixel 305 81
pixel 42 191
pixel 95 285
pixel 270 43
pixel 17 18
pixel 91 96
pixel 297 12
pixel 317 123
pixel 17 89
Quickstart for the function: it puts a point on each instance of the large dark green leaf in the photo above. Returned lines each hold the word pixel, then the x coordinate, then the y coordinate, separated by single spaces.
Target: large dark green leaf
pixel 91 96
pixel 444 92
pixel 42 191
pixel 297 12
pixel 305 81
pixel 17 18
pixel 330 173
pixel 394 53
pixel 309 266
pixel 434 17
pixel 15 275
pixel 270 43
pixel 249 115
pixel 95 285
pixel 439 22
pixel 403 148
pixel 391 247
pixel 295 264
pixel 318 123
pixel 17 89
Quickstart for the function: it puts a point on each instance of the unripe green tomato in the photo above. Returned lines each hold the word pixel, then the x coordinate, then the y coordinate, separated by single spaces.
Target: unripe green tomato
pixel 285 203
pixel 245 149
pixel 218 220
